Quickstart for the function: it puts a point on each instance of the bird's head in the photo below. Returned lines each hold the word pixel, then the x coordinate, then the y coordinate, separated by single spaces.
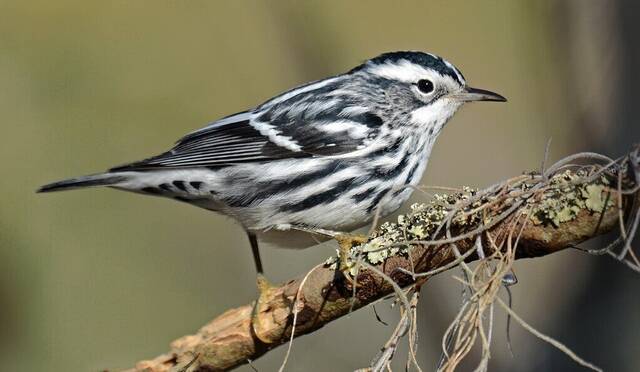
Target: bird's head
pixel 427 88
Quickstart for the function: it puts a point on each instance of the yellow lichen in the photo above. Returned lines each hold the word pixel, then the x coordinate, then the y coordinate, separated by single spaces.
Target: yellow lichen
pixel 418 224
pixel 594 197
pixel 417 231
pixel 563 200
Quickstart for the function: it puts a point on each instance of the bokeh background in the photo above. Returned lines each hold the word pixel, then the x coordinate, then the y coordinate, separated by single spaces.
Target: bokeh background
pixel 98 279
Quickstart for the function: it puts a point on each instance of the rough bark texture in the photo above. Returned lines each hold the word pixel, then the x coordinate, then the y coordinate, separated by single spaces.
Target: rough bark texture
pixel 229 340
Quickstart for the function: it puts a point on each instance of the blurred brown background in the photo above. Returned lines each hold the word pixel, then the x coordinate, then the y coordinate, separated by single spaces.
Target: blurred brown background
pixel 98 279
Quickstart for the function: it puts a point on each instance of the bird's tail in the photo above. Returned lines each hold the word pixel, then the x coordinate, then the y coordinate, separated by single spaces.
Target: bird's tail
pixel 101 179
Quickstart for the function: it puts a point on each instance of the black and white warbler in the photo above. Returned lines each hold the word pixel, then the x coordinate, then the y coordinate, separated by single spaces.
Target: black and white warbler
pixel 322 156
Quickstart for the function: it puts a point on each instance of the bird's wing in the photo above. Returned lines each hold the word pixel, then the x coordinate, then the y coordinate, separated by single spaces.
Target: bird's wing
pixel 294 124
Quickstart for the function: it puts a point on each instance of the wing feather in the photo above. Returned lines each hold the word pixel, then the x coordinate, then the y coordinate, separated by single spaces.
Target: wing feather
pixel 298 123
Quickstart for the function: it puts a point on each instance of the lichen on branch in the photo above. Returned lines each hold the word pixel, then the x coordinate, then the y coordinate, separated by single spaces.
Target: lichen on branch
pixel 562 200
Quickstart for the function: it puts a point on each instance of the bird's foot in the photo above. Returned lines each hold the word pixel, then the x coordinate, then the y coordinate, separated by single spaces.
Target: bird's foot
pixel 346 242
pixel 262 321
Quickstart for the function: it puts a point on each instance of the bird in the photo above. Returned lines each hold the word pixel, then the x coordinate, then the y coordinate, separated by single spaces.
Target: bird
pixel 325 156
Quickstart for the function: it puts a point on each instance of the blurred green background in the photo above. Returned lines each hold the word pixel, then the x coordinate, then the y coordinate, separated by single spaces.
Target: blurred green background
pixel 99 279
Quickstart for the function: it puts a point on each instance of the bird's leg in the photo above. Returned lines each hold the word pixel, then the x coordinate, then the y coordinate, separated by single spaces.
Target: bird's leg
pixel 265 293
pixel 261 281
pixel 346 241
pixel 253 240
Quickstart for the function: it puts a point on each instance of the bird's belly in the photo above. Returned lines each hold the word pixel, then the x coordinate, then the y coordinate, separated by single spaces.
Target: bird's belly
pixel 342 214
pixel 347 196
pixel 339 195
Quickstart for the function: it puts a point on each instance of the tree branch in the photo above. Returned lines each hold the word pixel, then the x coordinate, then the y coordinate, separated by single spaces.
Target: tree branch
pixel 550 212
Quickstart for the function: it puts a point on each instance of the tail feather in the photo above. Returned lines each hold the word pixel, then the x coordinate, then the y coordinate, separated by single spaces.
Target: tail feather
pixel 102 179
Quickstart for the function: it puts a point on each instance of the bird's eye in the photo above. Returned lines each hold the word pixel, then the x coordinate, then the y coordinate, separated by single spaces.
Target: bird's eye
pixel 425 86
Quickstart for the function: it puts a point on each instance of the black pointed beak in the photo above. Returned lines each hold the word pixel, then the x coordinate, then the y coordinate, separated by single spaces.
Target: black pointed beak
pixel 469 94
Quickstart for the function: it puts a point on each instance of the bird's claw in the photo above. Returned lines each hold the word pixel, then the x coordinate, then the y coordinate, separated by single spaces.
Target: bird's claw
pixel 260 306
pixel 260 322
pixel 346 242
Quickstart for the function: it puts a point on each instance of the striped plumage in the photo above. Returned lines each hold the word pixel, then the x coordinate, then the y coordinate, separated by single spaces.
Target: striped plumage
pixel 323 155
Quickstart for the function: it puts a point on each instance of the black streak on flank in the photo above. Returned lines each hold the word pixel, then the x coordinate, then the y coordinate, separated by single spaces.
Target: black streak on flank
pixel 182 199
pixel 195 184
pixel 386 150
pixel 268 189
pixel 307 178
pixel 151 190
pixel 165 187
pixel 321 197
pixel 393 172
pixel 377 199
pixel 363 195
pixel 412 172
pixel 180 185
pixel 407 181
